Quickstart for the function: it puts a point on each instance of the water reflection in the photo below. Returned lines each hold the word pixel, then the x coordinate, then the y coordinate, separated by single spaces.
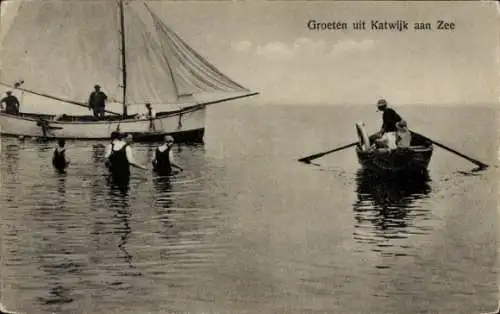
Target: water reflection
pixel 56 261
pixel 388 210
pixel 119 204
pixel 397 192
pixel 119 185
pixel 11 157
pixel 163 202
pixel 98 151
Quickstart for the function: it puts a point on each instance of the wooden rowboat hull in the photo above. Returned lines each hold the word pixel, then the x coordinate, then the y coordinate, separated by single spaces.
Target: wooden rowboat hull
pixel 412 160
pixel 186 126
pixel 396 161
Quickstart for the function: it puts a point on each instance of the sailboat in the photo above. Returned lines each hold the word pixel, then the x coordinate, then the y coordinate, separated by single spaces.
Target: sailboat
pixel 58 51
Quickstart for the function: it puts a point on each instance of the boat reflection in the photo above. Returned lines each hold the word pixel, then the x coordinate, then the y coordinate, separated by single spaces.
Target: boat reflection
pixel 389 210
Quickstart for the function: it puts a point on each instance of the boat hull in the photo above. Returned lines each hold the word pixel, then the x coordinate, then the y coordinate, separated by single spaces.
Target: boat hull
pixel 408 160
pixel 185 126
pixel 398 161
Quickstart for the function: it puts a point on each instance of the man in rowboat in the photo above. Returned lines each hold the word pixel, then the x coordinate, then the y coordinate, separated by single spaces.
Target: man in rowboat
pixel 97 101
pixel 387 135
pixel 11 103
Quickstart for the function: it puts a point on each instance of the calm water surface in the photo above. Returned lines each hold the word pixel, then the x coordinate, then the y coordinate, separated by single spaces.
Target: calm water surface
pixel 247 229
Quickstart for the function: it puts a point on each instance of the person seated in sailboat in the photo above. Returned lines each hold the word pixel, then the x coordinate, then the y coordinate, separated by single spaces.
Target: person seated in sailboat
pixel 119 157
pixel 60 160
pixel 403 135
pixel 163 160
pixel 12 104
pixel 97 102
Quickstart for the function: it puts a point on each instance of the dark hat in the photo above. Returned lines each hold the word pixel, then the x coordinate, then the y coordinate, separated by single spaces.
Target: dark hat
pixel 381 103
pixel 97 86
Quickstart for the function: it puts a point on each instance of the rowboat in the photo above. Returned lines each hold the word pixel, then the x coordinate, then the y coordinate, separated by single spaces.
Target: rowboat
pixel 52 52
pixel 402 160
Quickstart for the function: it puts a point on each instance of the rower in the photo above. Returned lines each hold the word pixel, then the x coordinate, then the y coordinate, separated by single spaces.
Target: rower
pixel 119 158
pixel 386 135
pixel 389 117
pixel 59 158
pixel 163 159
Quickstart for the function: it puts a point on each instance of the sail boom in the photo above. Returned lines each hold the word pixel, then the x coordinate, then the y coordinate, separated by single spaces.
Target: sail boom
pixel 212 102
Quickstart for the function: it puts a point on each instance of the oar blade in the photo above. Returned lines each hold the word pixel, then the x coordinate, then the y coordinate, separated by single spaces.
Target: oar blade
pixel 308 159
pixel 481 165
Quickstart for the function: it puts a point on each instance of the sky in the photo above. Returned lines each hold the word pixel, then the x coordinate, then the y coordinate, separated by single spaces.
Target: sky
pixel 267 47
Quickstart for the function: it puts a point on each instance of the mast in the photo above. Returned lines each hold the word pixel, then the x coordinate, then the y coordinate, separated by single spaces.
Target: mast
pixel 124 63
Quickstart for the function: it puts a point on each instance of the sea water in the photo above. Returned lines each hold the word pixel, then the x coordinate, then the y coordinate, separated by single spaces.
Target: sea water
pixel 248 229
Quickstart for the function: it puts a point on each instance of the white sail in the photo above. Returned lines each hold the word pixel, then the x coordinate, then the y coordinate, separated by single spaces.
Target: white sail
pixel 59 48
pixel 191 72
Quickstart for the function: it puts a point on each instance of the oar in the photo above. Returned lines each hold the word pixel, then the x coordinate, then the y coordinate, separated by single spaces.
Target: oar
pixel 474 161
pixel 55 98
pixel 308 159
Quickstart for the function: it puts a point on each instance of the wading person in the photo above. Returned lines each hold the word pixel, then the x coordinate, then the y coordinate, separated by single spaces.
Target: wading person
pixel 119 158
pixel 163 161
pixel 97 102
pixel 59 159
pixel 12 104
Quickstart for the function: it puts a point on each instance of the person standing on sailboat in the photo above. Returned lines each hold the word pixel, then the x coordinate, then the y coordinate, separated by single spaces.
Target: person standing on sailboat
pixel 163 159
pixel 119 158
pixel 97 101
pixel 12 104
